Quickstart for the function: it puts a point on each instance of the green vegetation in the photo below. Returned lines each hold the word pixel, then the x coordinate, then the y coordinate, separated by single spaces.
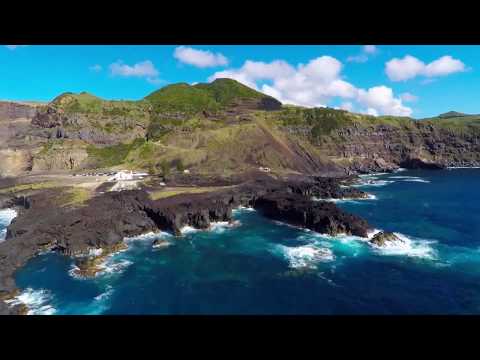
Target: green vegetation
pixel 26 187
pixel 178 163
pixel 224 91
pixel 165 167
pixel 322 121
pixel 75 196
pixel 90 104
pixel 51 145
pixel 112 155
pixel 182 97
pixel 168 192
pixel 209 97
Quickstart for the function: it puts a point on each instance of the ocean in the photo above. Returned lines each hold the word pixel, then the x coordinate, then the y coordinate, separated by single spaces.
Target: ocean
pixel 261 266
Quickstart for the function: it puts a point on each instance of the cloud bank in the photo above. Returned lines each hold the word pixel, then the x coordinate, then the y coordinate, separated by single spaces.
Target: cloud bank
pixel 410 67
pixel 314 84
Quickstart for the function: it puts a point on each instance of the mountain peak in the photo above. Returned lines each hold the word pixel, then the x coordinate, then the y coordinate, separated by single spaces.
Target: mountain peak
pixel 452 114
pixel 218 94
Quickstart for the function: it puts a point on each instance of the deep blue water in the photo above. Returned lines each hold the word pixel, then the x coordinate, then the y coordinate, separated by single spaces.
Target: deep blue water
pixel 263 267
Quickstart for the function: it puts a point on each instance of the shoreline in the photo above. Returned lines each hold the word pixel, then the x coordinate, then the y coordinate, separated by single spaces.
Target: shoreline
pixel 271 199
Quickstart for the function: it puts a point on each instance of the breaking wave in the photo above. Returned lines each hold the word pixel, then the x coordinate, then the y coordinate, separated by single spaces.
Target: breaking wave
pixel 407 246
pixel 149 236
pixel 111 266
pixel 306 256
pixel 348 200
pixel 37 301
pixel 410 178
pixel 373 182
pixel 221 226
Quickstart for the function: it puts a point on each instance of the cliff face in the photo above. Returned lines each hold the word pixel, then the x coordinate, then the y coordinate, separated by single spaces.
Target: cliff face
pixel 361 143
pixel 13 110
pixel 386 147
pixel 225 127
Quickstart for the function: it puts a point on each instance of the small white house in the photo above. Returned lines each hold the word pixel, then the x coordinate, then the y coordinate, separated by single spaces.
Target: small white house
pixel 186 171
pixel 264 169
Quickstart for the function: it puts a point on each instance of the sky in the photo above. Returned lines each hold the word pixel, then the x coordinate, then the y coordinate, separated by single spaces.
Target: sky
pixel 418 81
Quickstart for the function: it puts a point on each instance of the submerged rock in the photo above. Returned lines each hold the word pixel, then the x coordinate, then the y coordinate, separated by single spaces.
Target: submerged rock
pixel 90 266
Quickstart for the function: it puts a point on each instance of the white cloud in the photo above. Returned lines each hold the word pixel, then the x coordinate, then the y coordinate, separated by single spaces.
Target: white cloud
pixel 364 56
pixel 96 68
pixel 313 84
pixel 404 69
pixel 370 49
pixel 13 47
pixel 382 100
pixel 444 66
pixel 407 97
pixel 143 69
pixel 410 67
pixel 199 58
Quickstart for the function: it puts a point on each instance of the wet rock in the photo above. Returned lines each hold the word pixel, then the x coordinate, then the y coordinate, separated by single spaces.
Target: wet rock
pixel 384 237
pixel 414 163
pixel 322 217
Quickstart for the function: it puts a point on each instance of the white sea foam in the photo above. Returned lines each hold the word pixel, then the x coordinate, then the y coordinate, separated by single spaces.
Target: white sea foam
pixel 399 170
pixel 37 301
pixel 407 246
pixel 352 200
pixel 6 217
pixel 374 182
pixel 243 208
pixel 105 295
pixel 306 256
pixel 149 236
pixel 418 180
pixel 372 233
pixel 188 230
pixel 221 226
pixel 403 177
pixel 410 178
pixel 95 252
pixel 110 266
pixel 372 174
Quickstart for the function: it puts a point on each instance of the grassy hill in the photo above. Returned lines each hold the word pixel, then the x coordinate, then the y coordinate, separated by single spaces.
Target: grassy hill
pixel 212 97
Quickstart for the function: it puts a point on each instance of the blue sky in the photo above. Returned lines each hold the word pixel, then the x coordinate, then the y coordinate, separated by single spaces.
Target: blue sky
pixel 419 81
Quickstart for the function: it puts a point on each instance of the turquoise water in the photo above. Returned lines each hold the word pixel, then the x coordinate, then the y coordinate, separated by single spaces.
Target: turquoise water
pixel 264 267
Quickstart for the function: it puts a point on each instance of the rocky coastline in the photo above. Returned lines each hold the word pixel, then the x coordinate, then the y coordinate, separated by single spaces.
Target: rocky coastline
pixel 107 219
